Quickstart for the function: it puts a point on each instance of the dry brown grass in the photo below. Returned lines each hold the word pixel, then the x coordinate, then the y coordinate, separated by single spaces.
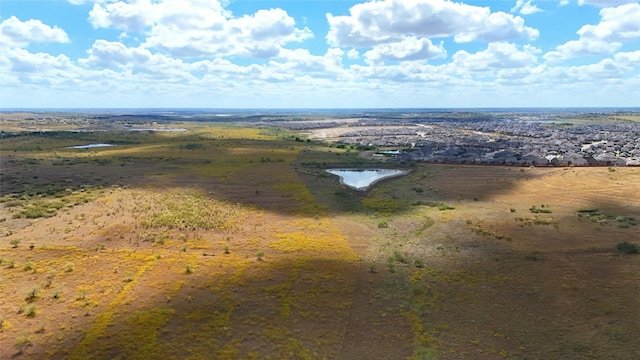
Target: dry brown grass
pixel 496 280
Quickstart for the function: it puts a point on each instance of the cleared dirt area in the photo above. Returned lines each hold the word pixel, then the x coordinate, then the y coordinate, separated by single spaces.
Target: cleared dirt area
pixel 230 243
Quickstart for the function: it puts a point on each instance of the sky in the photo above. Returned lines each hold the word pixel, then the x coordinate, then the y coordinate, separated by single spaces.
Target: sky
pixel 319 54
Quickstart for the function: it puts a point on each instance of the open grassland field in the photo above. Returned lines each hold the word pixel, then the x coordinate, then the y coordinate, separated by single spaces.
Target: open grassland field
pixel 232 243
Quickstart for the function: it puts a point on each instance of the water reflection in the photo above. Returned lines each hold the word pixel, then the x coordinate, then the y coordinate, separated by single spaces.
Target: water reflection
pixel 88 146
pixel 361 179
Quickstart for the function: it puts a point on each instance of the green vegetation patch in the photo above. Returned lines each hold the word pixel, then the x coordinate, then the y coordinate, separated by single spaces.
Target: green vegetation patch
pixel 438 205
pixel 627 247
pixel 383 204
pixel 541 210
pixel 45 203
pixel 599 217
pixel 191 210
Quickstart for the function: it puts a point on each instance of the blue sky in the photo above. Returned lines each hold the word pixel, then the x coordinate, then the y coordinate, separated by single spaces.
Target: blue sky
pixel 319 54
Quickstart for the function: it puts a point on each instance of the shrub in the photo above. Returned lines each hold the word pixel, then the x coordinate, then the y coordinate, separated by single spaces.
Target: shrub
pixel 188 269
pixel 50 277
pixel 14 243
pixel 259 255
pixel 22 343
pixel 627 247
pixel 31 311
pixel 536 210
pixel 392 267
pixel 69 267
pixel 27 266
pixel 226 249
pixel 32 295
pixel 397 256
pixel 419 263
pixel 383 225
pixel 372 268
pixel 425 354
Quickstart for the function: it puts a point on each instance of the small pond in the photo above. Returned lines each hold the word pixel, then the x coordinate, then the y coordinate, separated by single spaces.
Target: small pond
pixel 88 146
pixel 361 179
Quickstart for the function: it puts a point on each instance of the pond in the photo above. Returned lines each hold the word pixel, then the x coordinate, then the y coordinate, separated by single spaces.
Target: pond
pixel 361 179
pixel 88 146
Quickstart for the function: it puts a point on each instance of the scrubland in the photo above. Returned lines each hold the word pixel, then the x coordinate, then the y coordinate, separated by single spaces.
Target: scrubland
pixel 232 243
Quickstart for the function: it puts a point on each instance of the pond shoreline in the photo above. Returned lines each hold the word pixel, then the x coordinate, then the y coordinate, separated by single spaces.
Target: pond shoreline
pixel 363 179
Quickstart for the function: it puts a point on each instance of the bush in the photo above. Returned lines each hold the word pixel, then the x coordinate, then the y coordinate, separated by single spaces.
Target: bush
pixel 383 225
pixel 627 247
pixel 32 295
pixel 536 210
pixel 397 256
pixel 419 263
pixel 372 268
pixel 22 343
pixel 28 266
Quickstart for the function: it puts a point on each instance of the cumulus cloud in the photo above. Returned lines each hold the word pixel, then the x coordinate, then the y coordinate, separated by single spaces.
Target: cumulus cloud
pixel 604 3
pixel 628 58
pixel 201 27
pixel 386 21
pixel 24 61
pixel 186 49
pixel 497 56
pixel 17 33
pixel 409 48
pixel 621 23
pixel 131 17
pixel 617 25
pixel 581 47
pixel 108 54
pixel 300 62
pixel 525 7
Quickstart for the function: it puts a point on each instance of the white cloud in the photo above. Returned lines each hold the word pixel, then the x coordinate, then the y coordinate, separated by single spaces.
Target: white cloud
pixel 617 25
pixel 621 23
pixel 386 21
pixel 497 56
pixel 107 54
pixel 201 27
pixel 604 3
pixel 21 60
pixel 301 63
pixel 405 72
pixel 186 49
pixel 17 33
pixel 563 3
pixel 581 47
pixel 628 58
pixel 409 48
pixel 525 7
pixel 131 17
